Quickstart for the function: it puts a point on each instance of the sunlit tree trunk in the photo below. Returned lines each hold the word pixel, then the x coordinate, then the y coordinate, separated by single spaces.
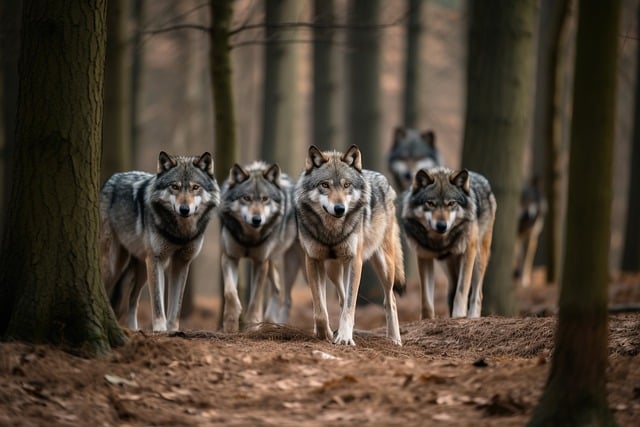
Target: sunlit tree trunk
pixel 50 285
pixel 499 80
pixel 575 393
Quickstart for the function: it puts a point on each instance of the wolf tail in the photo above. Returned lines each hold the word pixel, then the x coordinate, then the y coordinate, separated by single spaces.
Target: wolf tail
pixel 400 280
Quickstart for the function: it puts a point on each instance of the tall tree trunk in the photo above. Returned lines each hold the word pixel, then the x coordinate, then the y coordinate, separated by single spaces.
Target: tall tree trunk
pixel 137 65
pixel 325 77
pixel 364 112
pixel 116 148
pixel 10 17
pixel 575 393
pixel 547 156
pixel 50 286
pixel 631 251
pixel 412 71
pixel 499 79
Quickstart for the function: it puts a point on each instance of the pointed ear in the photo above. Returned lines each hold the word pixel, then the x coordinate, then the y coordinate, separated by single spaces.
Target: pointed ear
pixel 353 158
pixel 315 159
pixel 237 175
pixel 429 137
pixel 421 180
pixel 165 162
pixel 461 179
pixel 399 133
pixel 272 174
pixel 205 162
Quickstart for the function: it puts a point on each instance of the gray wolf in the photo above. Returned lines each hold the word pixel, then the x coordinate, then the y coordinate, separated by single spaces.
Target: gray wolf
pixel 448 216
pixel 345 216
pixel 258 222
pixel 151 228
pixel 411 151
pixel 533 208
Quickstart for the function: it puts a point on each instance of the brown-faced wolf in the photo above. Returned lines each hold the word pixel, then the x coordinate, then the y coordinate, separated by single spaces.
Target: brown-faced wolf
pixel 448 215
pixel 411 151
pixel 151 228
pixel 258 222
pixel 345 216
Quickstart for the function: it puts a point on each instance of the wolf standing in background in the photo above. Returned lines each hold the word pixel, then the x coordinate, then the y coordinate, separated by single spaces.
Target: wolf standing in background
pixel 533 208
pixel 448 215
pixel 258 222
pixel 345 216
pixel 410 152
pixel 151 228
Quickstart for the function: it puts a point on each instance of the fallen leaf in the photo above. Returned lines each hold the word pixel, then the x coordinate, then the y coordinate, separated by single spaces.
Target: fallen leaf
pixel 116 380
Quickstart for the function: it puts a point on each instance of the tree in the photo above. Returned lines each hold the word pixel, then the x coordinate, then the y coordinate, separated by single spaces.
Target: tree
pixel 631 251
pixel 499 79
pixel 116 143
pixel 412 71
pixel 50 285
pixel 575 392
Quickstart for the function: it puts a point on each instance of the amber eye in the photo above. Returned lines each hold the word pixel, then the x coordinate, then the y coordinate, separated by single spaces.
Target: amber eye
pixel 346 185
pixel 175 187
pixel 431 204
pixel 265 199
pixel 325 185
pixel 247 198
pixel 451 203
pixel 195 187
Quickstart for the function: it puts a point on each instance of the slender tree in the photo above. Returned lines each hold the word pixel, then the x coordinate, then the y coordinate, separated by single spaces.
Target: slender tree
pixel 575 393
pixel 499 80
pixel 50 286
pixel 631 251
pixel 412 71
pixel 137 65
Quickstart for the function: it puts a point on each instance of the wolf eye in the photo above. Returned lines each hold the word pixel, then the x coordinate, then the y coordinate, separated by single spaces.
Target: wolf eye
pixel 246 198
pixel 265 198
pixel 346 185
pixel 325 185
pixel 195 187
pixel 431 204
pixel 451 203
pixel 175 187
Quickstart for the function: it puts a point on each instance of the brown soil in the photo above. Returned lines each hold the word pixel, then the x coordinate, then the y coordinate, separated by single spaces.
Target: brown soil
pixel 482 372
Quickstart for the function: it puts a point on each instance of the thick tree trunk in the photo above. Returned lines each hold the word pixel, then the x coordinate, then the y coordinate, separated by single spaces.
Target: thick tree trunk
pixel 412 72
pixel 575 393
pixel 50 285
pixel 499 80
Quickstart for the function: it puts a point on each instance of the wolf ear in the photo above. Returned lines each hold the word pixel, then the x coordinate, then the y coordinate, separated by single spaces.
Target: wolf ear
pixel 205 162
pixel 272 174
pixel 429 137
pixel 399 133
pixel 165 162
pixel 353 158
pixel 237 175
pixel 421 180
pixel 461 179
pixel 315 159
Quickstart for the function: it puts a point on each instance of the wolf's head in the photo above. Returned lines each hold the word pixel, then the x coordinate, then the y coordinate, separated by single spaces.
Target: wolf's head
pixel 410 152
pixel 254 194
pixel 333 180
pixel 438 198
pixel 187 183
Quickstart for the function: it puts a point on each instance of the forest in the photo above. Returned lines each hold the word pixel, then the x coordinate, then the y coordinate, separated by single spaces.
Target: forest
pixel 538 96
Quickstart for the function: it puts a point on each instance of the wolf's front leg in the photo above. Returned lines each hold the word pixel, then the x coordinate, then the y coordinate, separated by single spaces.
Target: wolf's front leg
pixel 461 298
pixel 232 305
pixel 155 279
pixel 427 285
pixel 254 310
pixel 178 272
pixel 317 281
pixel 348 313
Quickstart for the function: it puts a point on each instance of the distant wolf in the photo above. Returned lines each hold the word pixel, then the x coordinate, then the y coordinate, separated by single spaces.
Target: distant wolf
pixel 448 215
pixel 411 151
pixel 151 228
pixel 258 222
pixel 345 216
pixel 533 208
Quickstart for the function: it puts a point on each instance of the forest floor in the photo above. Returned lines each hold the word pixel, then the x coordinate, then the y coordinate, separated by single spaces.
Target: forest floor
pixel 480 372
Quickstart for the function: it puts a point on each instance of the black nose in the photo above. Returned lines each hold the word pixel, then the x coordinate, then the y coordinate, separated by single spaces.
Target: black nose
pixel 407 175
pixel 339 210
pixel 184 210
pixel 256 220
pixel 441 226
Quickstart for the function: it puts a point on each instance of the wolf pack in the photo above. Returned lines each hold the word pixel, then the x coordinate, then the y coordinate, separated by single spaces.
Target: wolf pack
pixel 326 223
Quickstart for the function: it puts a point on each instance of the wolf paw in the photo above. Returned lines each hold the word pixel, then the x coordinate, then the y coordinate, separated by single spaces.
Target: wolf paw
pixel 344 340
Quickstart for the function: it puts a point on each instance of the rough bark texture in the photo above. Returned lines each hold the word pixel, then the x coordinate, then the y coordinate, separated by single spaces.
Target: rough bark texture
pixel 631 252
pixel 50 286
pixel 575 394
pixel 412 73
pixel 499 79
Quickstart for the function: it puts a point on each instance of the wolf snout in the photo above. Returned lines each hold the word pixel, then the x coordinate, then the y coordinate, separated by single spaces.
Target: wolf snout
pixel 256 220
pixel 339 210
pixel 441 227
pixel 184 210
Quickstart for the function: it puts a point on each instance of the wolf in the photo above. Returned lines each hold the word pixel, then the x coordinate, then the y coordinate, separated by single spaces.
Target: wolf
pixel 533 208
pixel 448 215
pixel 411 151
pixel 151 228
pixel 258 222
pixel 346 215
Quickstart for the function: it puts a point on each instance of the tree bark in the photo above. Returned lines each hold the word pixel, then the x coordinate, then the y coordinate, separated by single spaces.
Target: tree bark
pixel 412 72
pixel 499 79
pixel 50 286
pixel 575 393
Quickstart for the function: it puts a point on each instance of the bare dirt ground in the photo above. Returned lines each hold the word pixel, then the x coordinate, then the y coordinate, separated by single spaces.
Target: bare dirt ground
pixel 482 372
